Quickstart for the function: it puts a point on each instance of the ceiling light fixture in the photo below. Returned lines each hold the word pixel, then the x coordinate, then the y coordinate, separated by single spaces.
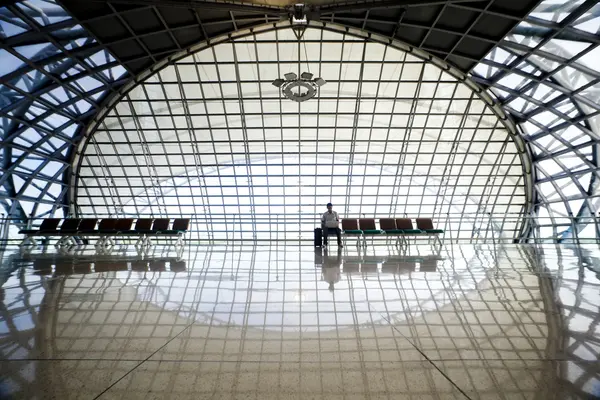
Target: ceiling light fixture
pixel 299 89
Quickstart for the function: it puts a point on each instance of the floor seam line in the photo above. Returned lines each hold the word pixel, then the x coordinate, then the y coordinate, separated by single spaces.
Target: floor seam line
pixel 141 362
pixel 424 355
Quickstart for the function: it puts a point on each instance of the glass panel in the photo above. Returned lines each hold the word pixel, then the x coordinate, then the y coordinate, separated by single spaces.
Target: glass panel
pixel 41 126
pixel 560 115
pixel 388 154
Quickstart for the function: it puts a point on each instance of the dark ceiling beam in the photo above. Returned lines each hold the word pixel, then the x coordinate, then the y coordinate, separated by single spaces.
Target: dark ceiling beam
pixel 4 3
pixel 49 12
pixel 363 6
pixel 192 4
pixel 565 23
pixel 312 10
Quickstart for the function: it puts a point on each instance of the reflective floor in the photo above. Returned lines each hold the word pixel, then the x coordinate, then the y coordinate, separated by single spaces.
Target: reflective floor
pixel 288 322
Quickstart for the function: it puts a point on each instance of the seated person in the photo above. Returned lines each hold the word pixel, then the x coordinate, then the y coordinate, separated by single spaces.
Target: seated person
pixel 330 221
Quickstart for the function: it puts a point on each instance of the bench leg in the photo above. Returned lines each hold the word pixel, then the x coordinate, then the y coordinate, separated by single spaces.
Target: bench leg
pixel 28 239
pixel 66 241
pixel 437 240
pixel 104 242
pixel 100 241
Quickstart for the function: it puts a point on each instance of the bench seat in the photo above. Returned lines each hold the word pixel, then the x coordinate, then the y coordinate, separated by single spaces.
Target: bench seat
pixel 393 231
pixel 373 232
pixel 433 231
pixel 411 231
pixel 353 232
pixel 350 228
pixel 107 229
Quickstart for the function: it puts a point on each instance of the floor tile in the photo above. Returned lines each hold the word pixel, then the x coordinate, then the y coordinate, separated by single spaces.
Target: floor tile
pixel 292 322
pixel 52 379
pixel 156 379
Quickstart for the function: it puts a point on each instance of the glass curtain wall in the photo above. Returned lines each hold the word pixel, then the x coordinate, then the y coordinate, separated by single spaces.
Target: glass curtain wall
pixel 53 75
pixel 546 75
pixel 210 137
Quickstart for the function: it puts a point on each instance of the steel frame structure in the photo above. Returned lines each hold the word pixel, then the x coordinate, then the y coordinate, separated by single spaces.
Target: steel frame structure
pixel 360 114
pixel 60 76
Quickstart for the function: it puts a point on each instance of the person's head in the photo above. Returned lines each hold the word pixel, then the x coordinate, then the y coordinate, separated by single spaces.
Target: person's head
pixel 329 206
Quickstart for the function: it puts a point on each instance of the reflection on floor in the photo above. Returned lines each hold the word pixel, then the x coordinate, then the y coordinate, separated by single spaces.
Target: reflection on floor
pixel 469 321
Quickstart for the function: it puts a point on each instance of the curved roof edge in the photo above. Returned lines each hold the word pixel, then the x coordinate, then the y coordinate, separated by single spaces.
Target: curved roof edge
pixel 486 96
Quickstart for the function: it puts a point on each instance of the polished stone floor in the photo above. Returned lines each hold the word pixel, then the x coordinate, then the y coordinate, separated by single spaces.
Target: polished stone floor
pixel 289 322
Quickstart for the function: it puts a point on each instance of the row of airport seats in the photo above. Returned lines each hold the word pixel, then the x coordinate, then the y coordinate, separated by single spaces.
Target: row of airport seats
pixel 107 228
pixel 401 228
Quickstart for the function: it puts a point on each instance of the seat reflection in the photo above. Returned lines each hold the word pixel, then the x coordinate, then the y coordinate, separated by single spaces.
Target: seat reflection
pixel 110 265
pixel 398 267
pixel 75 264
pixel 393 264
pixel 157 265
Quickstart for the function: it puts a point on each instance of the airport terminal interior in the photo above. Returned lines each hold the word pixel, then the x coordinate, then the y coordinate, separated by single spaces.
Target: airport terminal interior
pixel 165 168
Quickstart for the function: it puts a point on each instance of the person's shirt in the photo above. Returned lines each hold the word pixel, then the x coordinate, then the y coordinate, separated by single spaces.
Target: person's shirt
pixel 330 219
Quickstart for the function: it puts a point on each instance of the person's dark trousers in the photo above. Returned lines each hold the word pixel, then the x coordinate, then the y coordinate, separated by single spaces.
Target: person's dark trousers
pixel 337 231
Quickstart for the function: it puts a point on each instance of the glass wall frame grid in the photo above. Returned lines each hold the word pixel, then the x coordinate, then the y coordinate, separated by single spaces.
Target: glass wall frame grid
pixel 544 75
pixel 569 21
pixel 52 75
pixel 287 111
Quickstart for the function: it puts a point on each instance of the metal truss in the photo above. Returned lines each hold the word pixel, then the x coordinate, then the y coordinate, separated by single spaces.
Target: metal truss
pixel 393 136
pixel 545 75
pixel 66 69
pixel 53 75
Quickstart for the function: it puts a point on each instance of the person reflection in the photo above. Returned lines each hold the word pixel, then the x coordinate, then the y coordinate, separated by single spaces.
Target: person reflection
pixel 331 267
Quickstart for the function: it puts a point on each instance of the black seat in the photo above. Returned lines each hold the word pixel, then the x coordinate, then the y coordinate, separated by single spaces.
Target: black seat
pixel 142 225
pixel 107 225
pixel 48 225
pixel 160 225
pixel 123 225
pixel 180 225
pixel 70 225
pixel 87 225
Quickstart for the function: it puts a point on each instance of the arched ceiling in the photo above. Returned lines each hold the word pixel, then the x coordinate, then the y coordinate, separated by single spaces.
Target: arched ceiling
pixel 64 60
pixel 390 133
pixel 140 32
